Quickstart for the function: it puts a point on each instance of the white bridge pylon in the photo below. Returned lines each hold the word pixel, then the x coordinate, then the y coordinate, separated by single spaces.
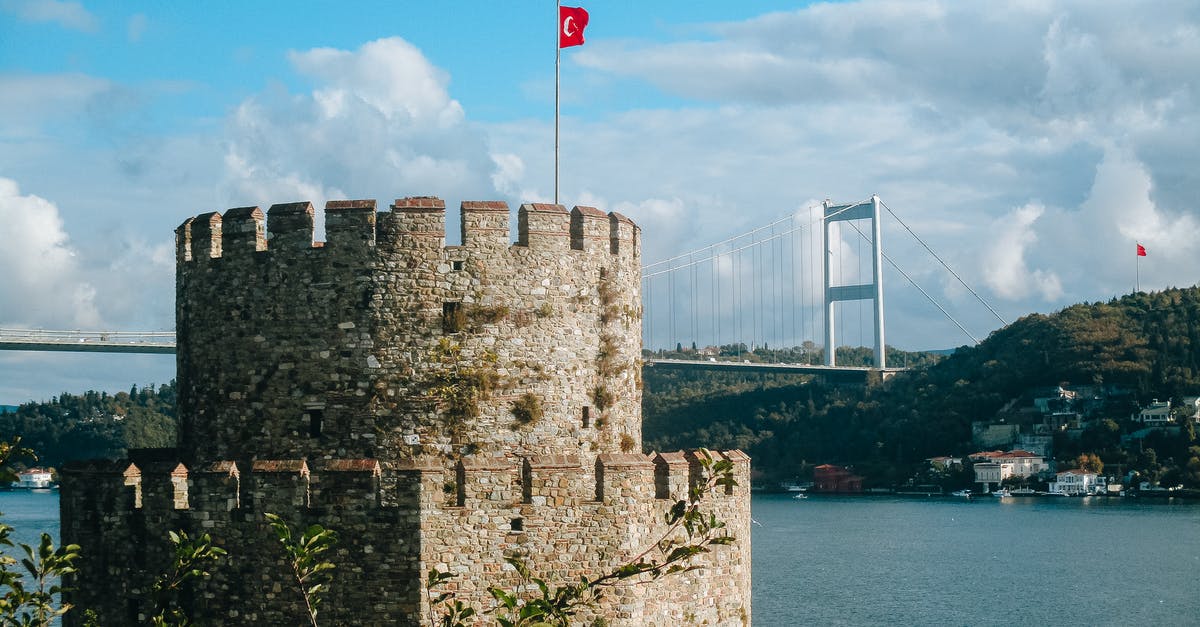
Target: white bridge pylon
pixel 862 291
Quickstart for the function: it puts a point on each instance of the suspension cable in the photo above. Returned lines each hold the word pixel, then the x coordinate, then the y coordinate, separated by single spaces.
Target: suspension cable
pixel 922 290
pixel 945 265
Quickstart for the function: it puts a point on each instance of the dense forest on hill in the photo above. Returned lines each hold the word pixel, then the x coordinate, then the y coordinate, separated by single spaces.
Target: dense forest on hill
pixel 94 424
pixel 1146 343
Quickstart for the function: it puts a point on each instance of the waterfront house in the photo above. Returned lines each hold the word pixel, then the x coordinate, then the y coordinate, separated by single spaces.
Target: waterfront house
pixel 1157 413
pixel 33 478
pixel 830 478
pixel 1077 482
pixel 993 467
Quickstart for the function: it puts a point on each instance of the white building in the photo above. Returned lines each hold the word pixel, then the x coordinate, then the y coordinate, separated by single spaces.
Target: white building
pixel 1157 413
pixel 996 466
pixel 1076 483
pixel 33 478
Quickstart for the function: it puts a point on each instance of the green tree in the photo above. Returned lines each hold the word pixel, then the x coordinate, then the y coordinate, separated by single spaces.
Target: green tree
pixel 22 603
pixel 304 552
pixel 536 603
pixel 190 559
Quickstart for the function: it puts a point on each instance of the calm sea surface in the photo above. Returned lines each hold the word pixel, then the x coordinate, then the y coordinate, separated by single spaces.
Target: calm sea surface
pixel 1020 561
pixel 894 561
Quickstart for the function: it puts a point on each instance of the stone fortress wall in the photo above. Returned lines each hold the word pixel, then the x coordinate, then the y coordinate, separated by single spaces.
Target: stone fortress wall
pixel 438 406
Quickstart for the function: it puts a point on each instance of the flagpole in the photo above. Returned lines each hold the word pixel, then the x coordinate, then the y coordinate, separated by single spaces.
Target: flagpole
pixel 1137 285
pixel 557 54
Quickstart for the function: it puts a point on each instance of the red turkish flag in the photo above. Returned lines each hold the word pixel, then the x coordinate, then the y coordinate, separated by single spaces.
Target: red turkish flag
pixel 1141 250
pixel 571 22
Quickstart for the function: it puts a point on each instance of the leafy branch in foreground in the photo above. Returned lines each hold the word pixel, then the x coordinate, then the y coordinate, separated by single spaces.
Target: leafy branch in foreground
pixel 35 605
pixel 309 571
pixel 669 555
pixel 192 557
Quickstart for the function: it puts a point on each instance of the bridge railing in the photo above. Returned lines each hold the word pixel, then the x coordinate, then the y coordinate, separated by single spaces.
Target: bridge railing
pixel 86 341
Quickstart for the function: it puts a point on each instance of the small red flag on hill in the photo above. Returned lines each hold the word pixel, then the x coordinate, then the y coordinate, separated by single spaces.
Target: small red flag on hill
pixel 571 22
pixel 1141 250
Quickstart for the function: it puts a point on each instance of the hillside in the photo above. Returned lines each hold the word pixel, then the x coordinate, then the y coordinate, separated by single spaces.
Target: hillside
pixel 94 424
pixel 1148 344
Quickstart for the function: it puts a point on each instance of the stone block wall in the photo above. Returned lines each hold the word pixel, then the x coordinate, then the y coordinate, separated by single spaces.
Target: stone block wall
pixel 291 348
pixel 437 406
pixel 393 525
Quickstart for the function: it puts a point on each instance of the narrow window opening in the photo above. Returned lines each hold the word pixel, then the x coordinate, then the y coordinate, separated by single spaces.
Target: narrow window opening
pixel 316 418
pixel 454 318
pixel 518 524
pixel 457 265
pixel 587 416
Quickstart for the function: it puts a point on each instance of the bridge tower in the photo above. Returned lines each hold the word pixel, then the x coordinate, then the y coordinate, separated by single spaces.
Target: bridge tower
pixel 863 291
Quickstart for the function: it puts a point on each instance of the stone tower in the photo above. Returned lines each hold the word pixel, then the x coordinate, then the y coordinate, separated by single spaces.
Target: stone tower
pixel 438 406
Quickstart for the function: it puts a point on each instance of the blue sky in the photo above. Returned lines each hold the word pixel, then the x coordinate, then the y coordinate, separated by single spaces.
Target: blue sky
pixel 1030 143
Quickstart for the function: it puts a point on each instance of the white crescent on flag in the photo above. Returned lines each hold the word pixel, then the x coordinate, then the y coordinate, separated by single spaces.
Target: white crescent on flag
pixel 571 23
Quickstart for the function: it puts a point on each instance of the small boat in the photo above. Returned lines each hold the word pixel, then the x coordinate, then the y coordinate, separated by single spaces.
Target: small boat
pixel 961 493
pixel 800 495
pixel 1002 493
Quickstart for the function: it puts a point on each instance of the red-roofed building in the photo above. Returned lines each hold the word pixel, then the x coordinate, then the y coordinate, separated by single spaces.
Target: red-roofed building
pixel 830 478
pixel 993 467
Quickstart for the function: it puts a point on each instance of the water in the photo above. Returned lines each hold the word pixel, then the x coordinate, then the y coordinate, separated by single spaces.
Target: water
pixel 1020 561
pixel 895 561
pixel 30 514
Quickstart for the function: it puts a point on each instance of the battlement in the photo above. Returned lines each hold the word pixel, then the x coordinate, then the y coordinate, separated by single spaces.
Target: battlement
pixel 437 406
pixel 353 227
pixel 479 483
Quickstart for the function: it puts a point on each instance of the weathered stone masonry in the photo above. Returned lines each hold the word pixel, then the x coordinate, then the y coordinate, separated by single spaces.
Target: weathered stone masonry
pixel 436 405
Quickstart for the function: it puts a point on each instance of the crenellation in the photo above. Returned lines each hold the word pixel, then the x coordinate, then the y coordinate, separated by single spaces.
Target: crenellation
pixel 590 230
pixel 552 480
pixel 350 226
pixel 484 225
pixel 671 475
pixel 278 485
pixel 290 227
pixel 436 406
pixel 485 481
pixel 183 243
pixel 242 232
pixel 132 477
pixel 741 472
pixel 419 222
pixel 544 227
pixel 347 485
pixel 215 489
pixel 206 236
pixel 415 484
pixel 624 236
pixel 624 478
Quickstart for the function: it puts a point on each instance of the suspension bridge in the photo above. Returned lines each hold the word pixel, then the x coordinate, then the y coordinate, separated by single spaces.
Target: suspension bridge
pixel 756 302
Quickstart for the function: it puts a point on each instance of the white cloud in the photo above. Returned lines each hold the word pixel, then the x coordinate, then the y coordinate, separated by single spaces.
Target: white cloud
pixel 391 75
pixel 40 282
pixel 1004 267
pixel 71 15
pixel 379 124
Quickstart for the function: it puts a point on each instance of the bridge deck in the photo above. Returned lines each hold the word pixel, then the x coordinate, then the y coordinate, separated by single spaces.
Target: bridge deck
pixel 831 373
pixel 161 343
